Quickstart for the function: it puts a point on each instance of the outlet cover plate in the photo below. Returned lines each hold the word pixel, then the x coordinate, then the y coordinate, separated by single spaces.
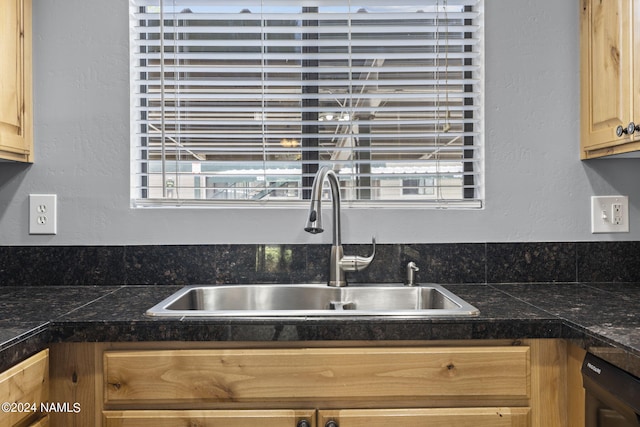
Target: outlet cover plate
pixel 609 214
pixel 43 214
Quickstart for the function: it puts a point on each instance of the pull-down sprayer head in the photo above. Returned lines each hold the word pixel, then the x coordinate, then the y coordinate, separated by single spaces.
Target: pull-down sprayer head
pixel 314 220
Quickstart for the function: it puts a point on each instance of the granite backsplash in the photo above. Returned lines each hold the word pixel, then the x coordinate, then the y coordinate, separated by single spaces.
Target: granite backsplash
pixel 543 262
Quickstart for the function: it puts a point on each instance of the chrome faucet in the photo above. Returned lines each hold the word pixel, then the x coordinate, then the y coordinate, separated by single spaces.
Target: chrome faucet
pixel 339 263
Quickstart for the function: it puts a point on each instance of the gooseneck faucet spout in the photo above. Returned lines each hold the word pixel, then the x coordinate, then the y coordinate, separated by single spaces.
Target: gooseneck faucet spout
pixel 339 264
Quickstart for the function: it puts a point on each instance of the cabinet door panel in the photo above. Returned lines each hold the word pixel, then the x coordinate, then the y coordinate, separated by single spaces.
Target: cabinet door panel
pixel 27 382
pixel 314 375
pixel 606 71
pixel 10 71
pixel 16 134
pixel 261 418
pixel 437 417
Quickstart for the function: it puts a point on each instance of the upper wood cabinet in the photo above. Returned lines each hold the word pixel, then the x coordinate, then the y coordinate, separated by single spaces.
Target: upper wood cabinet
pixel 16 105
pixel 610 77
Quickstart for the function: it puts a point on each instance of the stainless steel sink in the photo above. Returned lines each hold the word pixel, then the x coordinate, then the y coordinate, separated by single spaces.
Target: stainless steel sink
pixel 312 300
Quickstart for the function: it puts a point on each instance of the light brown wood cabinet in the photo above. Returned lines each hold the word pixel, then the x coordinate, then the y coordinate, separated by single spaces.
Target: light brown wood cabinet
pixel 475 383
pixel 22 389
pixel 610 77
pixel 16 101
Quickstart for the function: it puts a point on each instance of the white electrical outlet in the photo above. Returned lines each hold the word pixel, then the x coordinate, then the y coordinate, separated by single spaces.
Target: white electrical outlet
pixel 43 215
pixel 609 214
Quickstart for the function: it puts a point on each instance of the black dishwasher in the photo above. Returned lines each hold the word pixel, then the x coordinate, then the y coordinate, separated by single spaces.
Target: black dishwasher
pixel 612 394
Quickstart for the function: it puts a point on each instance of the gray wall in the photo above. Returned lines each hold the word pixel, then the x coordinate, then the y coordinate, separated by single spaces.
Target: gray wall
pixel 537 189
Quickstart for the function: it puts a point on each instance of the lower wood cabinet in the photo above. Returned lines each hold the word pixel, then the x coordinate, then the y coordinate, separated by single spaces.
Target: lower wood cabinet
pixel 473 383
pixel 23 388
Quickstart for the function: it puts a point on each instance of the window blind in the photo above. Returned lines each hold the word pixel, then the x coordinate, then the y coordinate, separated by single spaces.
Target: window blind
pixel 238 102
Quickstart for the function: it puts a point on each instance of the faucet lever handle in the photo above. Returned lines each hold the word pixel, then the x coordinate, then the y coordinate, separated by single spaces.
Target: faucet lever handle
pixel 356 263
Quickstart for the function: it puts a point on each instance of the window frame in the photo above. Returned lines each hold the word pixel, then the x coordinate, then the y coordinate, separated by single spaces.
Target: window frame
pixel 475 173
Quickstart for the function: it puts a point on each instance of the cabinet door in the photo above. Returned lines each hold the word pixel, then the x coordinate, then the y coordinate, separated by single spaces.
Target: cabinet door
pixel 25 383
pixel 248 418
pixel 436 417
pixel 606 37
pixel 16 134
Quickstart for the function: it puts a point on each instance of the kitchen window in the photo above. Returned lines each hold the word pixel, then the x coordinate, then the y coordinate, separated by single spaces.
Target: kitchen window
pixel 242 102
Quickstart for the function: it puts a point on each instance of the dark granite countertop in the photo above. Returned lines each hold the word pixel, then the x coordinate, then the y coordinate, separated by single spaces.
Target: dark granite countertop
pixel 602 318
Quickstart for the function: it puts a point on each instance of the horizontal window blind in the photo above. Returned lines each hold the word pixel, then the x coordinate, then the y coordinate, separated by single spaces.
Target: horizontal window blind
pixel 243 102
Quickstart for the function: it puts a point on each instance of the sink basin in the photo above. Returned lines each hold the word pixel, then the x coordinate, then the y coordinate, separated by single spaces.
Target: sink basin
pixel 312 300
